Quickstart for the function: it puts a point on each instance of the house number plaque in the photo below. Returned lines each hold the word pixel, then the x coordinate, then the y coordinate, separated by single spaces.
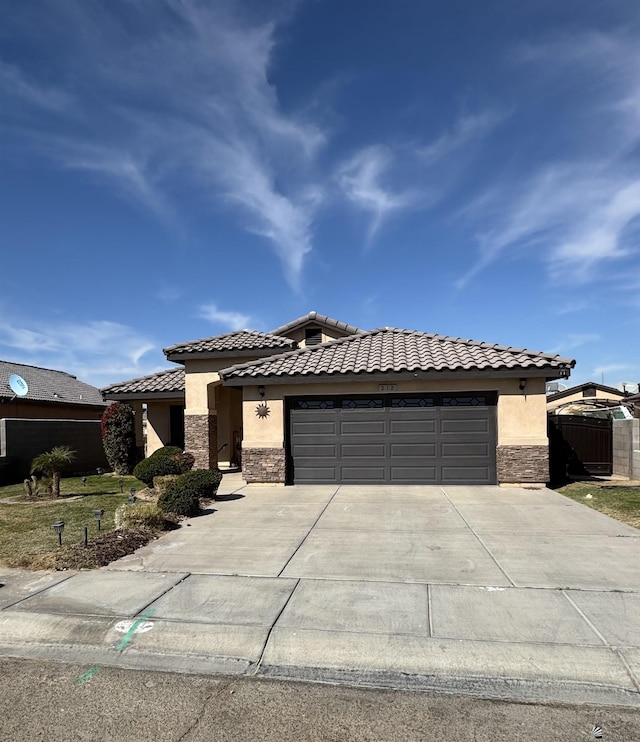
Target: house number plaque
pixel 387 387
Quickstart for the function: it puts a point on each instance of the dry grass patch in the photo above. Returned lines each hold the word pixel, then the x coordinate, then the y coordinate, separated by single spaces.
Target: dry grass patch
pixel 618 501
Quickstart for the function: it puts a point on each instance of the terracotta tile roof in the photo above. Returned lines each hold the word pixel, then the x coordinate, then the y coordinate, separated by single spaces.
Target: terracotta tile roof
pixel 171 380
pixel 48 385
pixel 395 351
pixel 318 319
pixel 242 340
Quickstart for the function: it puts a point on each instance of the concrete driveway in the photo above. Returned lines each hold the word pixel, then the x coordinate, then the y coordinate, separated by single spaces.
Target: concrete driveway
pixel 501 592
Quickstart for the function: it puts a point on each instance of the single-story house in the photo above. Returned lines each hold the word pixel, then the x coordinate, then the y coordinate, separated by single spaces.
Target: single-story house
pixel 320 401
pixel 53 408
pixel 588 394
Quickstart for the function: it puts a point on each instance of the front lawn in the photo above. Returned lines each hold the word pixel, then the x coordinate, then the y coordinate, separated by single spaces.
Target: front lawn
pixel 105 484
pixel 27 538
pixel 616 500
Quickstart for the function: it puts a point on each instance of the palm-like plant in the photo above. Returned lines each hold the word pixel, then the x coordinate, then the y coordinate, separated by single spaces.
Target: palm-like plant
pixel 52 464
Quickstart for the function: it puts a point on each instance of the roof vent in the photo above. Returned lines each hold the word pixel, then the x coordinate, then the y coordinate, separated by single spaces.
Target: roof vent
pixel 313 336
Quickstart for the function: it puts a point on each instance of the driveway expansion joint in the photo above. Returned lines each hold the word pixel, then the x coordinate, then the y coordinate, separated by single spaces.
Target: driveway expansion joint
pixel 480 540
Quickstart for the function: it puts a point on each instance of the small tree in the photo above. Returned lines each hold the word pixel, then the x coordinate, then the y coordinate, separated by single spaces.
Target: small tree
pixel 119 437
pixel 52 464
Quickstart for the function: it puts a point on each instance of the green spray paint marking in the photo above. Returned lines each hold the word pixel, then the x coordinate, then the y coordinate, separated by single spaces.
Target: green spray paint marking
pixel 126 639
pixel 88 674
pixel 122 645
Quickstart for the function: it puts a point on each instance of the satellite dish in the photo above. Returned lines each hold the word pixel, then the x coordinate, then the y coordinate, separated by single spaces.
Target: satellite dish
pixel 18 385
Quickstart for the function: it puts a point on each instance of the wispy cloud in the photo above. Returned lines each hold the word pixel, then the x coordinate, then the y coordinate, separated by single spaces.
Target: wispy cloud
pixel 16 84
pixel 610 368
pixel 574 340
pixel 466 129
pixel 188 101
pixel 230 319
pixel 362 181
pixel 576 211
pixel 98 352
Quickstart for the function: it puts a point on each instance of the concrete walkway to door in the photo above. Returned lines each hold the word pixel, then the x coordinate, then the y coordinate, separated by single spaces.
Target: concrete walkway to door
pixel 500 592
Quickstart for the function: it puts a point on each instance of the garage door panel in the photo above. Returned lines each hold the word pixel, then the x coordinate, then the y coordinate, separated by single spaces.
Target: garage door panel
pixel 419 450
pixel 315 450
pixel 363 473
pixel 413 427
pixel 465 450
pixel 464 426
pixel 363 450
pixel 362 427
pixel 314 474
pixel 314 428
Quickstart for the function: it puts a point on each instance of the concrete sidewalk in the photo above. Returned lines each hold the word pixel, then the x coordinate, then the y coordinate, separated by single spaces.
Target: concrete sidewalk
pixel 497 592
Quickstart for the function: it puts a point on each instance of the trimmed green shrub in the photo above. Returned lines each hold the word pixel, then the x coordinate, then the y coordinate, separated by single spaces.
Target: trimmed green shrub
pixel 166 460
pixel 119 437
pixel 204 482
pixel 181 499
pixel 138 516
pixel 162 484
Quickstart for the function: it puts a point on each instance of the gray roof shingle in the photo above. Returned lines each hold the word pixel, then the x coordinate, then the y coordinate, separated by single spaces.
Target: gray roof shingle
pixel 395 351
pixel 164 382
pixel 319 319
pixel 49 385
pixel 242 340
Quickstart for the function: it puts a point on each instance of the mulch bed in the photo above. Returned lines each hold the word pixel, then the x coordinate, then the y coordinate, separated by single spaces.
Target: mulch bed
pixel 98 553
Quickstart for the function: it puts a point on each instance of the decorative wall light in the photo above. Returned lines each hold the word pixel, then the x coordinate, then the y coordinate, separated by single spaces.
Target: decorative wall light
pixel 522 385
pixel 261 392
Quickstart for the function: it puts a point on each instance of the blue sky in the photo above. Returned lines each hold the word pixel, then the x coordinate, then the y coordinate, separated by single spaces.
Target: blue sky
pixel 174 170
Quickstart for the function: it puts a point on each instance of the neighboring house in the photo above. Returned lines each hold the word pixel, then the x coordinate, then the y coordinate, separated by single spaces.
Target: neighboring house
pixel 319 401
pixel 57 409
pixel 583 396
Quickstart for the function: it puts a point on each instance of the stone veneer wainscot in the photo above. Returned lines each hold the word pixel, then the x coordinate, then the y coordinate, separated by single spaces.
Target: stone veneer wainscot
pixel 264 465
pixel 522 464
pixel 201 439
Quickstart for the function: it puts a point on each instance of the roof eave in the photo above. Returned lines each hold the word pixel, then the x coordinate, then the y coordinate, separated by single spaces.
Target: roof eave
pixel 547 373
pixel 196 355
pixel 129 396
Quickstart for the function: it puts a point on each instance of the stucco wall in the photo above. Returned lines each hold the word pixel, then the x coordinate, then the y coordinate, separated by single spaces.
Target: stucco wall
pixel 158 424
pixel 578 397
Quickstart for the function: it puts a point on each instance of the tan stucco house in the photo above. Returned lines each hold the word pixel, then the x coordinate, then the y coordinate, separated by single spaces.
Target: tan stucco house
pixel 588 394
pixel 320 401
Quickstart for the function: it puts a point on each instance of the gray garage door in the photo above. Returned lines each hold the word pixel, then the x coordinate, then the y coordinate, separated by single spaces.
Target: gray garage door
pixel 420 439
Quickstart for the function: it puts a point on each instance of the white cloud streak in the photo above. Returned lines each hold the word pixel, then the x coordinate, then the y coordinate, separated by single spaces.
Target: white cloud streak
pixel 48 98
pixel 190 98
pixel 98 352
pixel 465 130
pixel 231 320
pixel 575 212
pixel 573 341
pixel 361 180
